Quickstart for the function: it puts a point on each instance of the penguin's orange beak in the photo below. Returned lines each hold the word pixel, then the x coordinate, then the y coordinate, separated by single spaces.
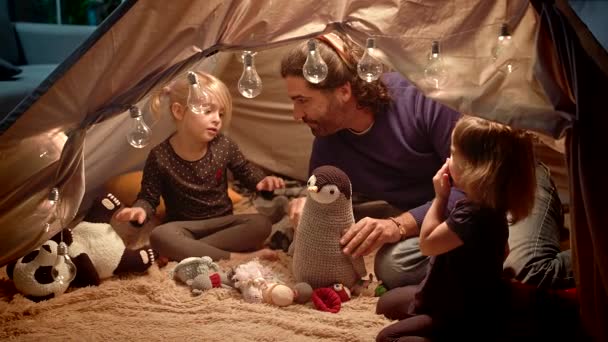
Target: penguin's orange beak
pixel 313 189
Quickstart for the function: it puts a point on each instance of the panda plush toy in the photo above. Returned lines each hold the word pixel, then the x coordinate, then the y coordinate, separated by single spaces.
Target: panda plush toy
pixel 32 274
pixel 95 248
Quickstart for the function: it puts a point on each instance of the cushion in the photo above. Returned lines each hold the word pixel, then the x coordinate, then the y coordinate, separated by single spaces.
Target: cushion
pixel 8 38
pixel 14 91
pixel 126 187
pixel 7 70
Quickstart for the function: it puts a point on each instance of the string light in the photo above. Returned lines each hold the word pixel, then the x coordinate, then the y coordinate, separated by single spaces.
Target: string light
pixel 53 197
pixel 369 68
pixel 315 68
pixel 503 47
pixel 250 83
pixel 64 270
pixel 139 134
pixel 198 100
pixel 434 70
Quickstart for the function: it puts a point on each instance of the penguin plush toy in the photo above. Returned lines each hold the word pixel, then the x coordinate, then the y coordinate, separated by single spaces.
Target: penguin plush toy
pixel 317 256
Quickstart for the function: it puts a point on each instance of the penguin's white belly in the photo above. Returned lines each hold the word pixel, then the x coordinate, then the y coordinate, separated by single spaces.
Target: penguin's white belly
pixel 318 260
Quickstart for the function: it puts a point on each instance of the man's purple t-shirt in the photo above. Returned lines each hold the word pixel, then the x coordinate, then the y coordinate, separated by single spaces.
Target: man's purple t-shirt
pixel 397 158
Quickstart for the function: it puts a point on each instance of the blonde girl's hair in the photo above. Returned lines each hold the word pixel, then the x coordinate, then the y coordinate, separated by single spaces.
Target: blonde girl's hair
pixel 177 91
pixel 498 165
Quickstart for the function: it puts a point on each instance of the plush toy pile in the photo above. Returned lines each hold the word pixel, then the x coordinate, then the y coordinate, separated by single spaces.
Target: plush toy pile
pixel 99 253
pixel 255 282
pixel 258 285
pixel 95 248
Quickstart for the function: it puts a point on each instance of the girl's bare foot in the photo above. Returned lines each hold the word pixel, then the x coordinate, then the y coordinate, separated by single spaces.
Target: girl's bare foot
pixel 266 254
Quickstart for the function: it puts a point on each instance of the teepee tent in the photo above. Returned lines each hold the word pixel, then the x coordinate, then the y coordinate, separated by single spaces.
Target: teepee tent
pixel 70 133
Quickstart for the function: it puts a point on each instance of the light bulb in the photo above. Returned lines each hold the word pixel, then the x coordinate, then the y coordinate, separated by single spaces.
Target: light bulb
pixel 64 270
pixel 369 68
pixel 315 69
pixel 503 47
pixel 434 70
pixel 139 134
pixel 250 83
pixel 198 100
pixel 53 196
pixel 252 53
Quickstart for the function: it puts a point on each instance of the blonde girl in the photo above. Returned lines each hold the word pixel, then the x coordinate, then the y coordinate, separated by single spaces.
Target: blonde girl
pixel 189 170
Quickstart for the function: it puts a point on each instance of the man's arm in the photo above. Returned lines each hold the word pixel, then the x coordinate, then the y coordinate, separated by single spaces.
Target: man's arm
pixel 406 225
pixel 368 234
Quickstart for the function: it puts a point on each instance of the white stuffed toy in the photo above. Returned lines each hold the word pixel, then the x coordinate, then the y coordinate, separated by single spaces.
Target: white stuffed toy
pixel 99 253
pixel 251 279
pixel 258 285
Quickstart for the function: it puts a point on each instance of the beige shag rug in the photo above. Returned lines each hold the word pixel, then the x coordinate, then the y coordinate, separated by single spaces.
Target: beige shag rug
pixel 154 307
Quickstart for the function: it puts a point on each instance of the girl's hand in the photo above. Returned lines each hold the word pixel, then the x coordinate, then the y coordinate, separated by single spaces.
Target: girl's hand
pixel 269 183
pixel 441 181
pixel 132 214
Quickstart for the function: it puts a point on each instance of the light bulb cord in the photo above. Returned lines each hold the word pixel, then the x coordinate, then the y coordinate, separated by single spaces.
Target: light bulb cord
pixel 60 219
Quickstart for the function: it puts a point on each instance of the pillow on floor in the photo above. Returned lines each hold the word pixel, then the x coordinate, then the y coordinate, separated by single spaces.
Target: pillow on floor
pixel 7 70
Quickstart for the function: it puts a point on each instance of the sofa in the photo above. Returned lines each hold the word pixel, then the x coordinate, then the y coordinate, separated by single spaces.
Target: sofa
pixel 29 53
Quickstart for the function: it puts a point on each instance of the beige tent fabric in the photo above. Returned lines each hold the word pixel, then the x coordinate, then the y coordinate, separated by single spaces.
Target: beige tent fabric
pixel 152 35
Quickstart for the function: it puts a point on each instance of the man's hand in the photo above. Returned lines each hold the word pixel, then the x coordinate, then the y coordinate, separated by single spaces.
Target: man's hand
pixel 365 236
pixel 132 214
pixel 269 183
pixel 294 211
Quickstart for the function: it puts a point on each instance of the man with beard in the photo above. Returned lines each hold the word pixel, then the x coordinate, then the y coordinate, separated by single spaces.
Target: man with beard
pixel 390 139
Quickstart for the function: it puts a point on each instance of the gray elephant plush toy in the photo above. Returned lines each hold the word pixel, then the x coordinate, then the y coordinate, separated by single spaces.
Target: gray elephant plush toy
pixel 201 274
